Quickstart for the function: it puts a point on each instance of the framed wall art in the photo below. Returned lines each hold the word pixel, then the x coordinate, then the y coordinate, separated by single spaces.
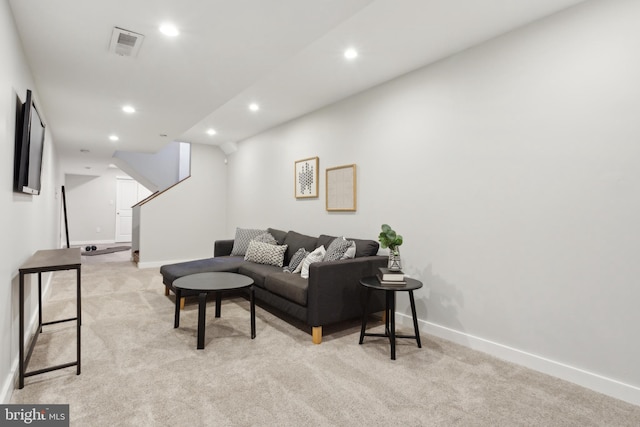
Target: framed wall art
pixel 341 188
pixel 306 178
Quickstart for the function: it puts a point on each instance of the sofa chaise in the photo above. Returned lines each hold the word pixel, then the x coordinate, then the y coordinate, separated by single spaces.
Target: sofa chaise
pixel 328 291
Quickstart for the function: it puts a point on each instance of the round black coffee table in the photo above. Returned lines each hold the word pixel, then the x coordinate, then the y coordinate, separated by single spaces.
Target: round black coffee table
pixel 216 282
pixel 372 283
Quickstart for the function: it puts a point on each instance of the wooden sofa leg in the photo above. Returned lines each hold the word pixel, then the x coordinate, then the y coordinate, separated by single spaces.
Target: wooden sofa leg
pixel 316 334
pixel 384 317
pixel 166 291
pixel 182 303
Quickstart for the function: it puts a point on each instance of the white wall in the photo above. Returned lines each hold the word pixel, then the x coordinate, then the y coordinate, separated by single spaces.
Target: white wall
pixel 91 205
pixel 29 223
pixel 512 171
pixel 183 222
pixel 156 171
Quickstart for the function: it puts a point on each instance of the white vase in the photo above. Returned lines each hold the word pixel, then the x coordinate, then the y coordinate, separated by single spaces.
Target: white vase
pixel 395 263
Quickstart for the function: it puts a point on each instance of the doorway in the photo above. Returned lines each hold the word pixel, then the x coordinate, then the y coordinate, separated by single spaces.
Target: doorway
pixel 128 193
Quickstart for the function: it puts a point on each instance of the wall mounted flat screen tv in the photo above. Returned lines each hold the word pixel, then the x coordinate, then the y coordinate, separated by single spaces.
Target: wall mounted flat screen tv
pixel 29 148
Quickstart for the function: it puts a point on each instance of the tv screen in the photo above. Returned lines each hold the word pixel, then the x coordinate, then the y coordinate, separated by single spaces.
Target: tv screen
pixel 29 148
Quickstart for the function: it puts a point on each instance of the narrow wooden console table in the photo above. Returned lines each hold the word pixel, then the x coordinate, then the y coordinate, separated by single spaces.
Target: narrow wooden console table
pixel 41 262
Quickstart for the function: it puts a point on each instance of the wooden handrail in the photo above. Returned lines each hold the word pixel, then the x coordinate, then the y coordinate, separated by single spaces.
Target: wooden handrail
pixel 157 193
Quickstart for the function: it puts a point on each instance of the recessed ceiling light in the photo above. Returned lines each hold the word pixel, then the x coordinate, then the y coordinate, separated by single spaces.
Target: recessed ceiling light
pixel 351 53
pixel 128 109
pixel 169 30
pixel 254 107
pixel 113 137
pixel 211 131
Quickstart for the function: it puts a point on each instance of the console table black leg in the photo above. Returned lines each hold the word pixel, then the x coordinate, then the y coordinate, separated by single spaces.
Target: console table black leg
pixel 176 319
pixel 78 314
pixel 415 319
pixel 392 327
pixel 365 314
pixel 202 308
pixel 39 303
pixel 252 302
pixel 21 345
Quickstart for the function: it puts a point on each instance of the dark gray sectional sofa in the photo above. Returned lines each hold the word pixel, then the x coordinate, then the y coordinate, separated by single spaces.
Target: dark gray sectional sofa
pixel 331 294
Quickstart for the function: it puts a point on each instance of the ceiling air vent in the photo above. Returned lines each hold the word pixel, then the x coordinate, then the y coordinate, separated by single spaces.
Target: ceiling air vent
pixel 125 43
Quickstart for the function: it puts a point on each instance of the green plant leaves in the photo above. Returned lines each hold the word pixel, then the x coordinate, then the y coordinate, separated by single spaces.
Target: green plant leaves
pixel 388 237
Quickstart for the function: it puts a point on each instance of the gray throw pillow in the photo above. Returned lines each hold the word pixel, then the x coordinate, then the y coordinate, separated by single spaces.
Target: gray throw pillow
pixel 336 249
pixel 296 260
pixel 264 253
pixel 266 238
pixel 242 239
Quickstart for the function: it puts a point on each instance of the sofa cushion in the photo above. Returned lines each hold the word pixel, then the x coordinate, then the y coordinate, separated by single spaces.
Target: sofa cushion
pixel 295 241
pixel 279 235
pixel 265 238
pixel 258 272
pixel 296 261
pixel 265 253
pixel 325 240
pixel 337 249
pixel 289 286
pixel 242 239
pixel 363 247
pixel 171 272
pixel 316 256
pixel 351 251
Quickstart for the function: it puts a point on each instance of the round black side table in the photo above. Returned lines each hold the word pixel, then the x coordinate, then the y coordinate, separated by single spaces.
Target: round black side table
pixel 217 282
pixel 372 283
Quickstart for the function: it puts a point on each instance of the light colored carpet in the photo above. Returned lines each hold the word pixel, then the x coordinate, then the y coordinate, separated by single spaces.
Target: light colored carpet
pixel 139 371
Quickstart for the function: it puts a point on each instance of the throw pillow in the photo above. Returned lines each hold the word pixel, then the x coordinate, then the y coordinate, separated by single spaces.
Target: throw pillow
pixel 336 249
pixel 242 239
pixel 266 238
pixel 316 256
pixel 351 252
pixel 296 260
pixel 264 253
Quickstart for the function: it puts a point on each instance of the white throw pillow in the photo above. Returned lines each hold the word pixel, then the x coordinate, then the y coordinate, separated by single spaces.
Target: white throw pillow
pixel 351 252
pixel 316 256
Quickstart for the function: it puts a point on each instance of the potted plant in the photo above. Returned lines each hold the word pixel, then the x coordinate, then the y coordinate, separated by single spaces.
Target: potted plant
pixel 388 238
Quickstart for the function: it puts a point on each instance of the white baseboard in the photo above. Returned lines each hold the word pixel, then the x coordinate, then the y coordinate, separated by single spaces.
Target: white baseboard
pixel 590 380
pixel 7 387
pixel 92 242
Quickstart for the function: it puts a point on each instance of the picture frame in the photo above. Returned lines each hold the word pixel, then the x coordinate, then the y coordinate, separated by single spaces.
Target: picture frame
pixel 305 174
pixel 341 188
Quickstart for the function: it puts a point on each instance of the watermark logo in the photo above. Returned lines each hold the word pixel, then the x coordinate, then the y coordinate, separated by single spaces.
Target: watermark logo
pixel 34 415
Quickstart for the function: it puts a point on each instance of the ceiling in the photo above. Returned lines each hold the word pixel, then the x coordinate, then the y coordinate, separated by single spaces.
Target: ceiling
pixel 285 55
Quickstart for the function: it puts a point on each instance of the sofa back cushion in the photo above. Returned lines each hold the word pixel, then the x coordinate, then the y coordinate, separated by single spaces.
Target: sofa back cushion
pixel 279 235
pixel 295 241
pixel 364 247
